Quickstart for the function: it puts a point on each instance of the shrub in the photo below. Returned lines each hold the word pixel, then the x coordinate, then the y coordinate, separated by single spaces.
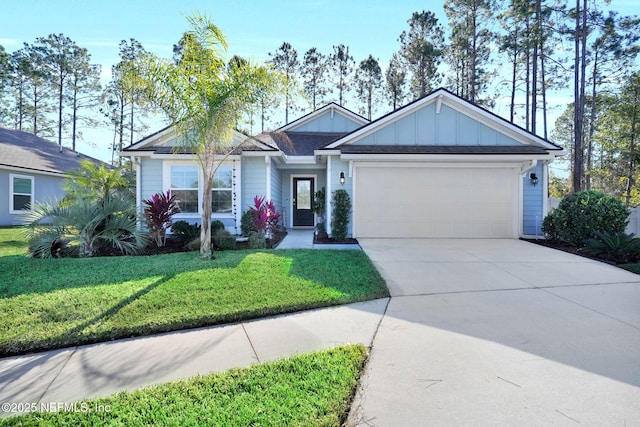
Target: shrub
pixel 257 241
pixel 265 215
pixel 319 209
pixel 184 232
pixel 82 227
pixel 216 226
pixel 619 246
pixel 246 223
pixel 580 215
pixel 340 215
pixel 223 240
pixel 158 213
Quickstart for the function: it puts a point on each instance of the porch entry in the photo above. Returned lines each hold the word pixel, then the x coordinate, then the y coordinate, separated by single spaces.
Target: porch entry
pixel 303 190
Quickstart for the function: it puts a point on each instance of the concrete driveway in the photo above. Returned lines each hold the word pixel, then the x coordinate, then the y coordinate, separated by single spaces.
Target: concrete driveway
pixel 501 332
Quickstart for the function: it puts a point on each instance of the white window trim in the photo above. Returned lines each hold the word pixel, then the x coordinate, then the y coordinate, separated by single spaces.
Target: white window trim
pixel 230 189
pixel 166 185
pixel 11 193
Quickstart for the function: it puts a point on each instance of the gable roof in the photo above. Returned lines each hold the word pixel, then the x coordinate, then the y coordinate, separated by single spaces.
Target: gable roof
pixel 443 96
pixel 331 108
pixel 26 151
pixel 299 143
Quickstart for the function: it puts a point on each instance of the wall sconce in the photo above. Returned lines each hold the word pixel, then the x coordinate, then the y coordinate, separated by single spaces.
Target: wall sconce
pixel 342 179
pixel 533 178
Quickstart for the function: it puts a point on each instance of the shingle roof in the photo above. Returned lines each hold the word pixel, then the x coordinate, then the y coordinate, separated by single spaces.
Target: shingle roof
pixel 303 143
pixel 24 150
pixel 441 149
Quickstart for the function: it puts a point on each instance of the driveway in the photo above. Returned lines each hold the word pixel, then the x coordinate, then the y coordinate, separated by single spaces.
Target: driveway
pixel 500 332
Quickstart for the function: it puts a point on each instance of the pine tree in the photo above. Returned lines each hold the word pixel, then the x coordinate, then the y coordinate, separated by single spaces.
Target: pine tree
pixel 421 49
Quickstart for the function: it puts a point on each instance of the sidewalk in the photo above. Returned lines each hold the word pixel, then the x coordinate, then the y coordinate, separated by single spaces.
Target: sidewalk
pixel 76 373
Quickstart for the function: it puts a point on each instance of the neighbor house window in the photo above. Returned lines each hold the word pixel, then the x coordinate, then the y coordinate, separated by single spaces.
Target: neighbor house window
pixel 21 193
pixel 221 190
pixel 184 185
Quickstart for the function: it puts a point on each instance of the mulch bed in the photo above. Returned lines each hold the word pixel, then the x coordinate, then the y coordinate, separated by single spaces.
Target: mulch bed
pixel 325 240
pixel 567 247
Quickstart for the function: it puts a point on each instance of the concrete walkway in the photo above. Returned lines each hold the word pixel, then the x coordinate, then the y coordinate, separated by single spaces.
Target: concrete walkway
pixel 501 333
pixel 303 239
pixel 76 373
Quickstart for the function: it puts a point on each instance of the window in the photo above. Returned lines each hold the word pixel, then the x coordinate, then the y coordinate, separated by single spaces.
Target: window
pixel 21 193
pixel 184 185
pixel 221 191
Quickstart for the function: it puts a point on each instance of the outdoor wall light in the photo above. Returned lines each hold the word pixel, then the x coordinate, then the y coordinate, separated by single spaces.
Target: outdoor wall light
pixel 342 177
pixel 533 178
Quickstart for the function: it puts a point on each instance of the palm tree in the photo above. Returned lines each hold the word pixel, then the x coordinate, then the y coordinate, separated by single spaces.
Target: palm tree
pixel 203 99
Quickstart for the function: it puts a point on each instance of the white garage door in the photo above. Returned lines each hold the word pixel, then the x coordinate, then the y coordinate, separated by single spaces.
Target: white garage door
pixel 445 202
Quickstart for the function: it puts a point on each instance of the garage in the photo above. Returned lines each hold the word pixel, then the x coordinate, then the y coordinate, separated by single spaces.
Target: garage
pixel 435 200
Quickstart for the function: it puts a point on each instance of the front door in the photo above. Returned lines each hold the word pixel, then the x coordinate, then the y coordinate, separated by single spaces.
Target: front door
pixel 302 202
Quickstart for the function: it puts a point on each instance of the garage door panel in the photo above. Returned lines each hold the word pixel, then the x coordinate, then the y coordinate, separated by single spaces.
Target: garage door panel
pixel 435 202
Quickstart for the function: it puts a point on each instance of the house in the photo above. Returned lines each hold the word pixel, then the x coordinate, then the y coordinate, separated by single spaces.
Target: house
pixel 438 167
pixel 32 169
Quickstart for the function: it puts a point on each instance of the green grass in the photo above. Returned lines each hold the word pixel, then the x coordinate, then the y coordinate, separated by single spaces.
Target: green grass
pixel 306 390
pixel 56 303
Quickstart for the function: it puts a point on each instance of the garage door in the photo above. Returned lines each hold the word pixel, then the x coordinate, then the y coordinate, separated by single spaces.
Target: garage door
pixel 454 202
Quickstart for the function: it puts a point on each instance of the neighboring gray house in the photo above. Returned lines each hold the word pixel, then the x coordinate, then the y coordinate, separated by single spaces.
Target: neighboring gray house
pixel 438 167
pixel 32 169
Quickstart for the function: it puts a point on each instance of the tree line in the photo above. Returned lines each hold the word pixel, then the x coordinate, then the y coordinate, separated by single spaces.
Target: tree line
pixel 489 50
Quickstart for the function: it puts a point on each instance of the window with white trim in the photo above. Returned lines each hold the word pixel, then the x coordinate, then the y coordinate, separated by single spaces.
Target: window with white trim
pixel 184 185
pixel 20 193
pixel 221 190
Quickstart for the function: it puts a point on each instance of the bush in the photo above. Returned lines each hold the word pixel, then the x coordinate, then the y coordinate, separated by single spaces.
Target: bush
pixel 216 226
pixel 580 216
pixel 158 214
pixel 184 232
pixel 257 241
pixel 319 210
pixel 340 215
pixel 246 223
pixel 82 227
pixel 265 215
pixel 620 247
pixel 223 240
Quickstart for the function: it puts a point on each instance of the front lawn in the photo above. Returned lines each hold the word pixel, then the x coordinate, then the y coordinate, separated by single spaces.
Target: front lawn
pixel 55 303
pixel 306 390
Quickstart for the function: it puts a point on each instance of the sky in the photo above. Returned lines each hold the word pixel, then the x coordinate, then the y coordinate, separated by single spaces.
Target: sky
pixel 253 29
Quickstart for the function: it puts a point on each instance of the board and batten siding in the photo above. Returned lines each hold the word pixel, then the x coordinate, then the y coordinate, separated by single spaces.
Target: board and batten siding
pixel 532 195
pixel 327 123
pixel 425 127
pixel 254 180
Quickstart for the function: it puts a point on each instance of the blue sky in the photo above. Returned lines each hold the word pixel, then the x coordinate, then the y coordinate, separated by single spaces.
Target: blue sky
pixel 253 28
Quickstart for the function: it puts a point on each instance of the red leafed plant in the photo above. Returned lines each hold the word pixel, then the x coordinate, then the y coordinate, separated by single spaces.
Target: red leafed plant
pixel 158 213
pixel 266 216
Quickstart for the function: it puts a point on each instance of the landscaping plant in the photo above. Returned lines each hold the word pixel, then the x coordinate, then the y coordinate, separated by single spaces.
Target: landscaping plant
pixel 247 223
pixel 619 247
pixel 158 213
pixel 340 215
pixel 184 232
pixel 82 227
pixel 319 210
pixel 265 216
pixel 581 215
